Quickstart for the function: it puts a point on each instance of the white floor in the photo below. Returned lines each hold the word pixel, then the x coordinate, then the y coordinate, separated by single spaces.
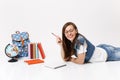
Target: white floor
pixel 92 71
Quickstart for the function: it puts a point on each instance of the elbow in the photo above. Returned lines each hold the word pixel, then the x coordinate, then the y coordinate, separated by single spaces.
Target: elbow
pixel 81 62
pixel 78 61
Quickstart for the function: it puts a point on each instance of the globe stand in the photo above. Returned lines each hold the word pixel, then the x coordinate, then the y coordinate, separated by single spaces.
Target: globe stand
pixel 13 60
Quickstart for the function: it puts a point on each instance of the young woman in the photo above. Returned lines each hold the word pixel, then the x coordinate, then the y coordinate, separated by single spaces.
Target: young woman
pixel 78 49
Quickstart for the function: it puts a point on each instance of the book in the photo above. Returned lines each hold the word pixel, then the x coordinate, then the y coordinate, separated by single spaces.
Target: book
pixel 34 61
pixel 41 50
pixel 37 53
pixel 34 50
pixel 55 65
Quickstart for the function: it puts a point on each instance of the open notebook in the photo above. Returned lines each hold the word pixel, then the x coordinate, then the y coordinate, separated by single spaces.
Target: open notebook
pixel 55 65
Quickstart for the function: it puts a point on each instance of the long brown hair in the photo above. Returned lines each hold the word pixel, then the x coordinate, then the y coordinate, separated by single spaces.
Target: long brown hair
pixel 68 46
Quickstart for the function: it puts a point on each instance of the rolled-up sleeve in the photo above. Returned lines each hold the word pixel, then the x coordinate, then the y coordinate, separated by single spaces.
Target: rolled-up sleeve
pixel 82 48
pixel 81 45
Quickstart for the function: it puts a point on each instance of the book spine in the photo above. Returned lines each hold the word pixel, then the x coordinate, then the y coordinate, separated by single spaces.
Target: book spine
pixel 34 51
pixel 37 54
pixel 41 50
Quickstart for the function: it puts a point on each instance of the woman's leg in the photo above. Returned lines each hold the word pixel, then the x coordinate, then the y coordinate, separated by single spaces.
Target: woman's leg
pixel 115 56
pixel 113 52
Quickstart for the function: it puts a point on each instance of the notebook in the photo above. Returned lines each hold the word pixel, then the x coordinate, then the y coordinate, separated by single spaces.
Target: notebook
pixel 55 65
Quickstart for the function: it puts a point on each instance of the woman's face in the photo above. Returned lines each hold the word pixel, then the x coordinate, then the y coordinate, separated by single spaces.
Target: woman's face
pixel 70 33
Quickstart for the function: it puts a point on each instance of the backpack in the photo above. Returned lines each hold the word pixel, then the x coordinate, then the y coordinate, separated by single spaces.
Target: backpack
pixel 21 40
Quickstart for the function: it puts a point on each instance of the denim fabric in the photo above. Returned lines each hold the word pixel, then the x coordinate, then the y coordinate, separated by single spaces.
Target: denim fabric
pixel 112 51
pixel 90 47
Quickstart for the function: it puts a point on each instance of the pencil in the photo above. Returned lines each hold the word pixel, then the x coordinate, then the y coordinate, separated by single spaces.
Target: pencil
pixel 55 35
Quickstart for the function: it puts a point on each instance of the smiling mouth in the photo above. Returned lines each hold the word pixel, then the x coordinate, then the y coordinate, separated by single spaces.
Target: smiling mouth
pixel 70 36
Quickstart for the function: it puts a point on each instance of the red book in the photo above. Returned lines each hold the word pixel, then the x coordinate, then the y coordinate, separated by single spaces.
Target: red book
pixel 31 50
pixel 41 50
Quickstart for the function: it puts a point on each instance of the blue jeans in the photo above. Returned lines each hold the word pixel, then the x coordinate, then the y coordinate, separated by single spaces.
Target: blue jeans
pixel 112 51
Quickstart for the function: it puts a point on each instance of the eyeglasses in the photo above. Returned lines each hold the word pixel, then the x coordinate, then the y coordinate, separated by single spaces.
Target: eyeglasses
pixel 71 30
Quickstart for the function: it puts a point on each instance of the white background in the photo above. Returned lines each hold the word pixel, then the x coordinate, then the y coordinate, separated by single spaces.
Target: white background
pixel 98 20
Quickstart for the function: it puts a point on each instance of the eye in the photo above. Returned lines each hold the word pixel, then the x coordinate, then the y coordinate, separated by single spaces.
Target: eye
pixel 70 30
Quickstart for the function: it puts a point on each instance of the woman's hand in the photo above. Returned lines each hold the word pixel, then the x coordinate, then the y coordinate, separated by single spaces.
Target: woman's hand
pixel 60 42
pixel 58 39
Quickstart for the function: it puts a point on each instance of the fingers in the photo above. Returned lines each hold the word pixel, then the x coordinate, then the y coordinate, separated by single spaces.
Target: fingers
pixel 59 40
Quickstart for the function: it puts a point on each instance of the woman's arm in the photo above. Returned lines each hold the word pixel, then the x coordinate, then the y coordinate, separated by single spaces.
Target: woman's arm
pixel 80 59
pixel 81 54
pixel 62 53
pixel 59 42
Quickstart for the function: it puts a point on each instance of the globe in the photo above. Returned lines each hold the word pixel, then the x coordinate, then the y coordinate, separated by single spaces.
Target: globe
pixel 11 50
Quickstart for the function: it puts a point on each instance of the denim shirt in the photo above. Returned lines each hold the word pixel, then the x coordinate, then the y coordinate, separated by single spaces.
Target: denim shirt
pixel 90 47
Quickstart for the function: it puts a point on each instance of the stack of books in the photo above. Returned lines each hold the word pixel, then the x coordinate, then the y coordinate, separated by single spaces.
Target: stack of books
pixel 36 53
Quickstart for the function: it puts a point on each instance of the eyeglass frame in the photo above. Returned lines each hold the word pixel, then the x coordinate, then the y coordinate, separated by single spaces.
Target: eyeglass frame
pixel 71 30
